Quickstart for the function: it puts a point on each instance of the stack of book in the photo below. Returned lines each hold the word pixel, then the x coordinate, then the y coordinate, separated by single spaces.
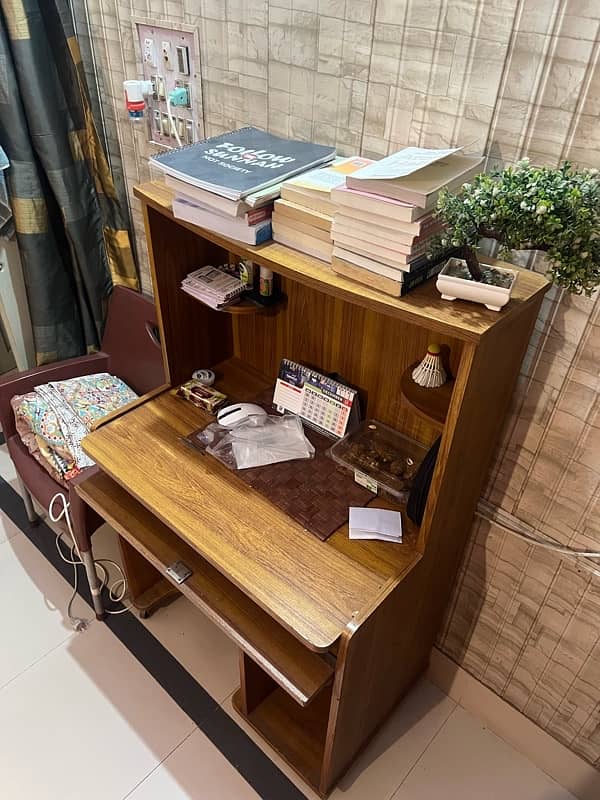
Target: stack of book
pixel 215 287
pixel 228 183
pixel 303 217
pixel 385 222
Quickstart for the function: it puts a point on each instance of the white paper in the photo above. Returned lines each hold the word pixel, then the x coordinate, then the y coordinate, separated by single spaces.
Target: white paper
pixel 375 523
pixel 402 163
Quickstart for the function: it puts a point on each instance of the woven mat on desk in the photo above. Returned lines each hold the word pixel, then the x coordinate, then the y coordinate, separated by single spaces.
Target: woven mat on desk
pixel 314 491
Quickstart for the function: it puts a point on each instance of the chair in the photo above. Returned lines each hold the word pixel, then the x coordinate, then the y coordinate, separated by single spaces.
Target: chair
pixel 131 351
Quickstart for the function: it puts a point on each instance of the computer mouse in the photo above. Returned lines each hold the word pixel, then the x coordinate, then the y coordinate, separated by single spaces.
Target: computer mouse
pixel 233 415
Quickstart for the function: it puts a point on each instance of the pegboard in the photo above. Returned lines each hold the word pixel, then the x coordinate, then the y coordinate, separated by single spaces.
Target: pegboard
pixel 169 60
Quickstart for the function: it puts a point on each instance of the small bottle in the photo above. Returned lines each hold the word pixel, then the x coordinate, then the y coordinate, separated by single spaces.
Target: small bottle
pixel 266 282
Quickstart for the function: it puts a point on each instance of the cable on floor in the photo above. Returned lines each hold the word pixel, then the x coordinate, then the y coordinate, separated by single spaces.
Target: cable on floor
pixel 116 591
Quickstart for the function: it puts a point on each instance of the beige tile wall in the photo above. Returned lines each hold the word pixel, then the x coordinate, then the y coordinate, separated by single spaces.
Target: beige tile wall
pixel 508 77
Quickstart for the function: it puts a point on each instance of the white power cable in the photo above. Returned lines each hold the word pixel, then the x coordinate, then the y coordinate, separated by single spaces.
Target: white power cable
pixel 172 121
pixel 526 532
pixel 116 591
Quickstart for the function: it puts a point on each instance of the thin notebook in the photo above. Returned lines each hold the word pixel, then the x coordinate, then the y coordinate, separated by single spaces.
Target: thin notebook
pixel 241 162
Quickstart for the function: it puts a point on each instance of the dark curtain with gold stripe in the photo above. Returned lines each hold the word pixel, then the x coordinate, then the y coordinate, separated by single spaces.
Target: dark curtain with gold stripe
pixel 72 233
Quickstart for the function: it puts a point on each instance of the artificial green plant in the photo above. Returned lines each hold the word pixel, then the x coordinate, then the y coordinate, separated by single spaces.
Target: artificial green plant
pixel 523 207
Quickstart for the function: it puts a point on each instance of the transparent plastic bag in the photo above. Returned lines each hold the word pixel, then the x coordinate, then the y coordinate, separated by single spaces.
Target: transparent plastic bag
pixel 258 442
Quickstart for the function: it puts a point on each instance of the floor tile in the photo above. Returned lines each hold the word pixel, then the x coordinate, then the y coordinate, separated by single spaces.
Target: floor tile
pixel 390 756
pixel 7 528
pixel 196 770
pixel 466 760
pixel 87 721
pixel 33 602
pixel 199 646
pixel 7 469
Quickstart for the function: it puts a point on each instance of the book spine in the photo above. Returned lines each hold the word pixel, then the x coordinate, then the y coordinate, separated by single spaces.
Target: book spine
pixel 264 234
pixel 425 272
pixel 258 215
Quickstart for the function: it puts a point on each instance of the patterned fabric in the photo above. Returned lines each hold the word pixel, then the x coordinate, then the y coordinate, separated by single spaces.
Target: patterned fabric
pixel 53 419
pixel 72 233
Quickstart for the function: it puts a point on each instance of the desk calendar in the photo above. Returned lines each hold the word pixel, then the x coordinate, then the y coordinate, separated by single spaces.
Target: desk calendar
pixel 320 401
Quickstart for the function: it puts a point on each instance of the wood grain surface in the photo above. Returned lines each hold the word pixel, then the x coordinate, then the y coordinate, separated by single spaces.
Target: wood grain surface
pixel 296 669
pixel 310 587
pixel 430 403
pixel 424 305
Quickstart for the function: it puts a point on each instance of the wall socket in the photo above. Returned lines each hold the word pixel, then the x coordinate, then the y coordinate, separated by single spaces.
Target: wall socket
pixel 169 61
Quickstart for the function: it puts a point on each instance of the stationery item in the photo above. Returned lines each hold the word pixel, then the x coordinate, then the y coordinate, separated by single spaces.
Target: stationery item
pixel 289 213
pixel 377 256
pixel 420 188
pixel 266 282
pixel 404 162
pixel 201 395
pixel 214 202
pixel 371 203
pixel 383 225
pixel 204 376
pixel 312 189
pixel 294 227
pixel 375 523
pixel 323 402
pixel 234 227
pixel 386 279
pixel 389 252
pixel 239 163
pixel 214 286
pixel 372 228
pixel 298 240
pixel 374 280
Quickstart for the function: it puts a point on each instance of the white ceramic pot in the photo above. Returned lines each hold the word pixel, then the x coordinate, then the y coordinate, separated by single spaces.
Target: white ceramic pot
pixel 492 297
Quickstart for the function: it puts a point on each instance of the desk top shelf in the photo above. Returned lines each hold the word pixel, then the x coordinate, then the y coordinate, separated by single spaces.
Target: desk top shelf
pixel 423 306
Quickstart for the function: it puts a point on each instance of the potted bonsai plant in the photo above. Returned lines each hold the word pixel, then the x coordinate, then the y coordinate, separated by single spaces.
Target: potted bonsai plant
pixel 556 210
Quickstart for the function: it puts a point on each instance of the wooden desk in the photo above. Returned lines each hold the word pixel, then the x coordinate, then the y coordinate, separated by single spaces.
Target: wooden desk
pixel 331 634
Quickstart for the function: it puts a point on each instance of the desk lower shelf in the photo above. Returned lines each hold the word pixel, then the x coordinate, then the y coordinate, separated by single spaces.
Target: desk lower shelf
pixel 299 671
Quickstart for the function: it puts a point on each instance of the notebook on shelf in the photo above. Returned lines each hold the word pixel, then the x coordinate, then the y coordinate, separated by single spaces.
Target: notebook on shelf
pixel 240 163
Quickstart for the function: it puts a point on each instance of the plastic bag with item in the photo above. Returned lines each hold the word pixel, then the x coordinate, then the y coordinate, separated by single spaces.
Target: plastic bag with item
pixel 258 442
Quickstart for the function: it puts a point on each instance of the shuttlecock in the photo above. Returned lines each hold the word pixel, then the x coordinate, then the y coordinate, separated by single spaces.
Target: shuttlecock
pixel 430 373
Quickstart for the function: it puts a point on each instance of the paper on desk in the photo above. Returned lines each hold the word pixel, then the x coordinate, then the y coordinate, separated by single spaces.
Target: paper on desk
pixel 402 163
pixel 375 523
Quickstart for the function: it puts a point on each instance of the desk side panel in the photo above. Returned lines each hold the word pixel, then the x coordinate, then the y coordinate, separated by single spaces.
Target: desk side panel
pixel 193 336
pixel 378 662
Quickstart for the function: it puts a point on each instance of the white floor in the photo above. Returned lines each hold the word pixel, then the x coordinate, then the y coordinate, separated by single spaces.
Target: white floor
pixel 81 718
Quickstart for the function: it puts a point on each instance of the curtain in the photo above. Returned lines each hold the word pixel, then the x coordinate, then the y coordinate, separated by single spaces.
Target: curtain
pixel 72 233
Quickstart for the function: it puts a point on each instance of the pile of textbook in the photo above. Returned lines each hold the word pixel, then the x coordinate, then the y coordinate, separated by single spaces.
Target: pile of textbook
pixel 228 183
pixel 384 218
pixel 303 217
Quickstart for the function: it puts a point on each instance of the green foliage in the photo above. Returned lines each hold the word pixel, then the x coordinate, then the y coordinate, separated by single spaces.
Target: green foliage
pixel 532 208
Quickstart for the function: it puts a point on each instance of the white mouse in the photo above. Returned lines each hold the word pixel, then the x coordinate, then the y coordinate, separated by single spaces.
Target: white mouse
pixel 233 415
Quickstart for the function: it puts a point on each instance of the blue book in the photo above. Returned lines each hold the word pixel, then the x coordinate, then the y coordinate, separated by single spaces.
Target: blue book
pixel 241 162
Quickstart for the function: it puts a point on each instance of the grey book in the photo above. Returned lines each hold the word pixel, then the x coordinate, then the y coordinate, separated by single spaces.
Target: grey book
pixel 241 162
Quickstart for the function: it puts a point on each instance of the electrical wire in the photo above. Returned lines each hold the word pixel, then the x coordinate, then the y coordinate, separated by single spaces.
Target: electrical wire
pixel 511 525
pixel 116 591
pixel 172 121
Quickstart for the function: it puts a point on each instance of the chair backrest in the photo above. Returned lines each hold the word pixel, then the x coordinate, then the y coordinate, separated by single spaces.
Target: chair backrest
pixel 131 340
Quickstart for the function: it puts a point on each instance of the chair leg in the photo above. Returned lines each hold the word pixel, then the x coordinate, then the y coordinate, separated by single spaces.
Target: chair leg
pixel 94 583
pixel 28 503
